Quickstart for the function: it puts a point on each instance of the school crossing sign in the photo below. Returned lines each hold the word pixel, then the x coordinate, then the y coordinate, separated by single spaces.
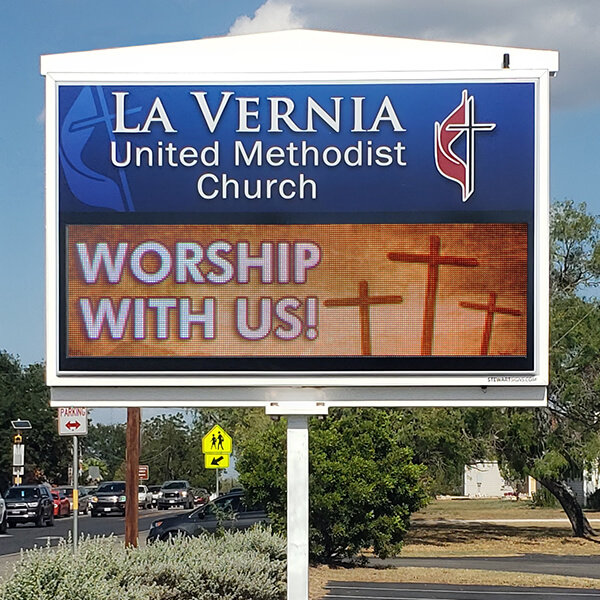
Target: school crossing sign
pixel 217 446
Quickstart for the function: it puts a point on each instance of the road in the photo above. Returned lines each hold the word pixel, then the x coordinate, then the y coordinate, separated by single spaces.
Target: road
pixel 423 591
pixel 27 536
pixel 548 564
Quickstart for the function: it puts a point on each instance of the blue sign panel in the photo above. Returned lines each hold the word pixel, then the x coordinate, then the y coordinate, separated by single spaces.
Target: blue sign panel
pixel 441 147
pixel 326 228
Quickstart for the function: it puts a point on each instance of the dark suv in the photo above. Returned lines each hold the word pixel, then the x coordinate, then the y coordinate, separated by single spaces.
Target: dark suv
pixel 227 512
pixel 109 498
pixel 175 493
pixel 29 504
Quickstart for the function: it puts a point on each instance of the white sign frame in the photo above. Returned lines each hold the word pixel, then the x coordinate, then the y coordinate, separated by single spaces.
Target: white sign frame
pixel 194 389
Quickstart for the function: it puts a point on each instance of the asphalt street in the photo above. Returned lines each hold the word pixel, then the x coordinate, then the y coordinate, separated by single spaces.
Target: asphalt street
pixel 575 566
pixel 28 536
pixel 425 591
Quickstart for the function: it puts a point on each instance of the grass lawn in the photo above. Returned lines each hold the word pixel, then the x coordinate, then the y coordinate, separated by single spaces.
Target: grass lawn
pixel 488 509
pixel 436 531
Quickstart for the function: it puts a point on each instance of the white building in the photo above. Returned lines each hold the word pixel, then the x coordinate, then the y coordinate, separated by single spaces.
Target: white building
pixel 484 480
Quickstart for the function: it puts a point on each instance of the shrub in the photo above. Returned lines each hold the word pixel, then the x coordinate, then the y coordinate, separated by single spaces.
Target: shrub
pixel 236 566
pixel 363 483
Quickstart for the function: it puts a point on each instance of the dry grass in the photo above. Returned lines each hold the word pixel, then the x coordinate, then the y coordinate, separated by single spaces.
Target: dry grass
pixel 319 576
pixel 489 509
pixel 438 531
pixel 490 539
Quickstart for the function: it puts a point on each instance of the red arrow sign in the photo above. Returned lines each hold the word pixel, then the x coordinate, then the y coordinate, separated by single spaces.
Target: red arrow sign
pixel 73 425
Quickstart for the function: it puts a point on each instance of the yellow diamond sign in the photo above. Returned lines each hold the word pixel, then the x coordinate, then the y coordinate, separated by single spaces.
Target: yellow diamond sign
pixel 217 441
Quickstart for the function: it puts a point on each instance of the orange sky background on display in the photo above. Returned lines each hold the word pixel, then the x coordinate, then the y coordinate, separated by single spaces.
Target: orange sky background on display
pixel 330 262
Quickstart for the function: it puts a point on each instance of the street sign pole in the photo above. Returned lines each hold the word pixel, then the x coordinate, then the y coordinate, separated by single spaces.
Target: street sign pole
pixel 73 421
pixel 75 492
pixel 217 446
pixel 18 459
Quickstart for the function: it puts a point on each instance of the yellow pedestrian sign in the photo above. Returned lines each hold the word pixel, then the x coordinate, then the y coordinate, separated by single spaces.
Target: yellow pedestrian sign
pixel 217 441
pixel 216 461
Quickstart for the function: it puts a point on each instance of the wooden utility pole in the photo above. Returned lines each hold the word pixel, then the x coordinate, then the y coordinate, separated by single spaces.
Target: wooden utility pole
pixel 132 477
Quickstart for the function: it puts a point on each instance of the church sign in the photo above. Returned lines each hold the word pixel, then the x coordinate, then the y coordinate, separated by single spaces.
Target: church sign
pixel 276 228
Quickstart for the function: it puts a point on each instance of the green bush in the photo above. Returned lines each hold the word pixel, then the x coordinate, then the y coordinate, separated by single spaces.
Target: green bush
pixel 236 566
pixel 363 483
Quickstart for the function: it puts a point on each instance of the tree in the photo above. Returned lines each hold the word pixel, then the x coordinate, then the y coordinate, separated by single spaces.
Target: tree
pixel 172 449
pixel 165 447
pixel 558 442
pixel 25 396
pixel 445 440
pixel 94 462
pixel 105 444
pixel 363 483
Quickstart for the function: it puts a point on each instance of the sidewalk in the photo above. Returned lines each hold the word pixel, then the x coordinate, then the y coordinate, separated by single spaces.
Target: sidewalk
pixel 6 563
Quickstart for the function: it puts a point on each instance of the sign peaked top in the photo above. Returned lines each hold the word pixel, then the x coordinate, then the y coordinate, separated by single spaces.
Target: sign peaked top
pixel 298 51
pixel 217 441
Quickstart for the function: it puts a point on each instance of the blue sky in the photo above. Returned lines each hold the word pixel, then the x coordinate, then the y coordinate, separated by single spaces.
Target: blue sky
pixel 31 28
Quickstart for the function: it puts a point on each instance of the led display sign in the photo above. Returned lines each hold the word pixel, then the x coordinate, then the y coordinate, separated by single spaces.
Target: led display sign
pixel 375 228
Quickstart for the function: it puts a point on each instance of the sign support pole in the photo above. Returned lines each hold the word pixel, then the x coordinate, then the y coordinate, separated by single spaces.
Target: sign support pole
pixel 297 507
pixel 297 404
pixel 75 492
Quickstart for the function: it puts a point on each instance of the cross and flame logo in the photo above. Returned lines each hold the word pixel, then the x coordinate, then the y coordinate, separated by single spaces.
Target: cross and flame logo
pixel 461 121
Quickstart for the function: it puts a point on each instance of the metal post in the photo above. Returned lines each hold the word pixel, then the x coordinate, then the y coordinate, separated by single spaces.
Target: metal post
pixel 75 492
pixel 297 507
pixel 217 472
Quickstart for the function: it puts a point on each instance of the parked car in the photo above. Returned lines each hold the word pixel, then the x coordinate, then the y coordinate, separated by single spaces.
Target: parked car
pixel 154 489
pixel 3 524
pixel 84 498
pixel 201 496
pixel 62 506
pixel 109 498
pixel 175 493
pixel 29 504
pixel 227 512
pixel 144 497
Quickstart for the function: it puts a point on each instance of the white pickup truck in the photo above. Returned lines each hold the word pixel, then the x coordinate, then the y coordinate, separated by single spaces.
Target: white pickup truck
pixel 144 497
pixel 176 493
